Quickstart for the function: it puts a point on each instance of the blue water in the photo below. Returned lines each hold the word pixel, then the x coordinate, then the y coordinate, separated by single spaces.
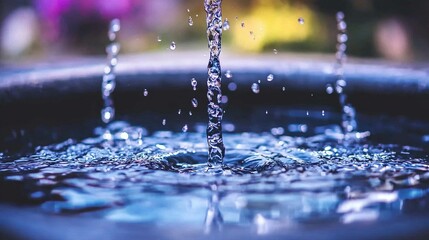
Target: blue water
pixel 287 175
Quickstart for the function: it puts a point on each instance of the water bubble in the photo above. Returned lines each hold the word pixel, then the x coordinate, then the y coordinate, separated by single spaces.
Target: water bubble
pixel 190 21
pixel 266 112
pixel 188 10
pixel 190 113
pixel 185 128
pixel 196 15
pixel 172 46
pixel 307 113
pixel 226 24
pixel 228 74
pixel 224 99
pixel 323 113
pixel 283 89
pixel 301 20
pixel 255 88
pixel 242 24
pixel 179 111
pixel 232 86
pixel 145 93
pixel 194 84
pixel 194 102
pixel 164 121
pixel 259 81
pixel 159 39
pixel 270 77
pixel 275 51
pixel 329 89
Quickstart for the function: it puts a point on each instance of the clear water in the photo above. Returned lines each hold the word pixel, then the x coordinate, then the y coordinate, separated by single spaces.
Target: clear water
pixel 216 147
pixel 109 78
pixel 349 123
pixel 290 174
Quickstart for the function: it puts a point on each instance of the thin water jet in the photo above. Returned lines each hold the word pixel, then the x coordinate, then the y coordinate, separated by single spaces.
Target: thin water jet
pixel 216 150
pixel 109 78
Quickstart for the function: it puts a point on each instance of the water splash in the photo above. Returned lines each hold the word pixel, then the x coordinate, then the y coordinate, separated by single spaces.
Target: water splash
pixel 109 78
pixel 214 129
pixel 349 123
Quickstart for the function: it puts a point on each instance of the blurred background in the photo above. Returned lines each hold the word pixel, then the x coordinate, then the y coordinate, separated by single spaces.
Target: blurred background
pixel 37 30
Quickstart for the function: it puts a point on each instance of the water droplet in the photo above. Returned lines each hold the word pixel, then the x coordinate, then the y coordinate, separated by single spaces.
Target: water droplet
pixel 255 88
pixel 145 93
pixel 226 24
pixel 232 86
pixel 107 114
pixel 242 24
pixel 194 84
pixel 108 84
pixel 190 21
pixel 185 128
pixel 188 10
pixel 301 20
pixel 342 38
pixel 164 121
pixel 341 82
pixel 194 102
pixel 329 89
pixel 190 113
pixel 114 27
pixel 342 47
pixel 307 113
pixel 342 26
pixel 275 51
pixel 340 16
pixel 113 49
pixel 159 39
pixel 196 15
pixel 179 111
pixel 323 113
pixel 228 74
pixel 277 131
pixel 270 77
pixel 259 81
pixel 224 99
pixel 283 89
pixel 172 46
pixel 266 112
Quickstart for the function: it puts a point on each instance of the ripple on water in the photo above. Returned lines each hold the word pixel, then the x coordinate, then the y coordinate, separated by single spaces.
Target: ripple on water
pixel 134 175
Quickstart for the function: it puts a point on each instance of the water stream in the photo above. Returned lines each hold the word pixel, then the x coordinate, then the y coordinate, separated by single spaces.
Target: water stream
pixel 213 9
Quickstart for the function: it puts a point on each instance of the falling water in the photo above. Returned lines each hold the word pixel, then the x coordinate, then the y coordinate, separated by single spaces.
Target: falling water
pixel 214 94
pixel 109 77
pixel 349 124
